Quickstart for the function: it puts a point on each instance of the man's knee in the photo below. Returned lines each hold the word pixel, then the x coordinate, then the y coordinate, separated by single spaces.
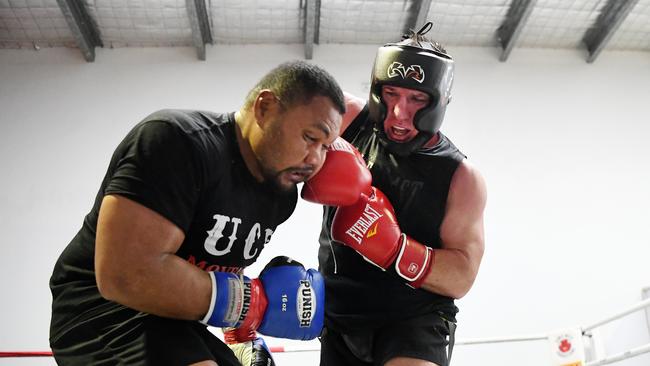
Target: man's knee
pixel 407 361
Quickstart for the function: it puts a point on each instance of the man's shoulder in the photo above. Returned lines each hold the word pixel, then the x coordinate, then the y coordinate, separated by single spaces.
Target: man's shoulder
pixel 189 120
pixel 353 107
pixel 466 170
pixel 207 132
pixel 468 179
pixel 443 149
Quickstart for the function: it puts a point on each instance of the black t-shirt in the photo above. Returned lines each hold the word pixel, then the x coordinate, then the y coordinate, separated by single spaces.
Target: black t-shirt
pixel 360 295
pixel 185 165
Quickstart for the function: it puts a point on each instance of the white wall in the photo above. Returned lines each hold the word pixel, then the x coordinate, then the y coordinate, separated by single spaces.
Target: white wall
pixel 562 145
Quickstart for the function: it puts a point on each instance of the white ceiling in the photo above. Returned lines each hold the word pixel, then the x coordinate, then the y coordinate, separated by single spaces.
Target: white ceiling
pixel 167 23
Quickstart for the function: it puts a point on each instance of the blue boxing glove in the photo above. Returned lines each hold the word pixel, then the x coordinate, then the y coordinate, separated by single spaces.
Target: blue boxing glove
pixel 296 300
pixel 286 301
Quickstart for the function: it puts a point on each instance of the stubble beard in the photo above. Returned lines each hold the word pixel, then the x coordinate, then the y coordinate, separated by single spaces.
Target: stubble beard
pixel 271 180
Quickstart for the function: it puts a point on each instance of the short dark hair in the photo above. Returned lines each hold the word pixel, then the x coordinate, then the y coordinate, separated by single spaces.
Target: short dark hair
pixel 418 39
pixel 297 82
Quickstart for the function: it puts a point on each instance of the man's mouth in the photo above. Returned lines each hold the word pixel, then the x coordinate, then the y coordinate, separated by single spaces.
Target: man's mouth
pixel 399 133
pixel 299 175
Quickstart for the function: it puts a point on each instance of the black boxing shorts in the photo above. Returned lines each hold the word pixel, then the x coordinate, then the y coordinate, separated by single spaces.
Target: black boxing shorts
pixel 143 340
pixel 428 339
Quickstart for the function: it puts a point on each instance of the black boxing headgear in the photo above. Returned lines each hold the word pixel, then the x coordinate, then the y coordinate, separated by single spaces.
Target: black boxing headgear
pixel 413 63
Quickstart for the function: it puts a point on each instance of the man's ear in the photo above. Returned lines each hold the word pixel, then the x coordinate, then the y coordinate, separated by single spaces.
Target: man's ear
pixel 265 107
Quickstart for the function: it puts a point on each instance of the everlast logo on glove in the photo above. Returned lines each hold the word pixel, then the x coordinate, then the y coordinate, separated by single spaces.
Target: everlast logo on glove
pixel 359 229
pixel 306 305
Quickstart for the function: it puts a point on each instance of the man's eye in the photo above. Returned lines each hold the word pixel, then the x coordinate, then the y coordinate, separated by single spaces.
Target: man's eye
pixel 309 138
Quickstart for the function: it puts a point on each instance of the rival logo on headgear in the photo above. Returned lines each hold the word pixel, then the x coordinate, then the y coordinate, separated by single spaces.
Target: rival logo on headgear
pixel 415 72
pixel 306 304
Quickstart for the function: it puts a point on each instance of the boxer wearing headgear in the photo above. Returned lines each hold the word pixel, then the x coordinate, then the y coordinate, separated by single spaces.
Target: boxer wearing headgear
pixel 395 260
pixel 417 64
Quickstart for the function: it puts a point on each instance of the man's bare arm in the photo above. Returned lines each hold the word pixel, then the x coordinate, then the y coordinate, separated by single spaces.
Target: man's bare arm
pixel 462 235
pixel 136 264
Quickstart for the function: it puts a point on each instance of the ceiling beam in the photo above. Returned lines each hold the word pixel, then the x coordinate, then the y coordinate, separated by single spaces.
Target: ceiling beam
pixel 311 26
pixel 82 26
pixel 608 22
pixel 317 24
pixel 416 15
pixel 200 23
pixel 510 29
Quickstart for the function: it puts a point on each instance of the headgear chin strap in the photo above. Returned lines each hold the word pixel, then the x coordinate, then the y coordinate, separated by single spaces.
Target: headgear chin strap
pixel 413 63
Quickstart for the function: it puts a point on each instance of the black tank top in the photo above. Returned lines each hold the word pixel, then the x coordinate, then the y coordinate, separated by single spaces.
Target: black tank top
pixel 359 295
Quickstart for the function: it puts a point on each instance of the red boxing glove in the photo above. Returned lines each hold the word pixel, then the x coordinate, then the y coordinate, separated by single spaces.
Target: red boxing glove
pixel 341 180
pixel 414 261
pixel 255 304
pixel 370 227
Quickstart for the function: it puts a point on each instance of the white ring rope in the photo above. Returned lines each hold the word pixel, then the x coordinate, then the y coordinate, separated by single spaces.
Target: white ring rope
pixel 467 342
pixel 621 356
pixel 638 306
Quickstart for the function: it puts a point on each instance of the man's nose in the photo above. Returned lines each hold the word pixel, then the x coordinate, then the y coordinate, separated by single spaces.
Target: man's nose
pixel 399 110
pixel 315 156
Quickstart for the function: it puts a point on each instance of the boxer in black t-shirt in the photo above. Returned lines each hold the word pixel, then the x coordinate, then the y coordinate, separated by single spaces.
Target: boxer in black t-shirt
pixel 189 200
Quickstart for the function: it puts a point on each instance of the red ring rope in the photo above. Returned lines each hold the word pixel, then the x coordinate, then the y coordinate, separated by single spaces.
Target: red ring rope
pixel 276 349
